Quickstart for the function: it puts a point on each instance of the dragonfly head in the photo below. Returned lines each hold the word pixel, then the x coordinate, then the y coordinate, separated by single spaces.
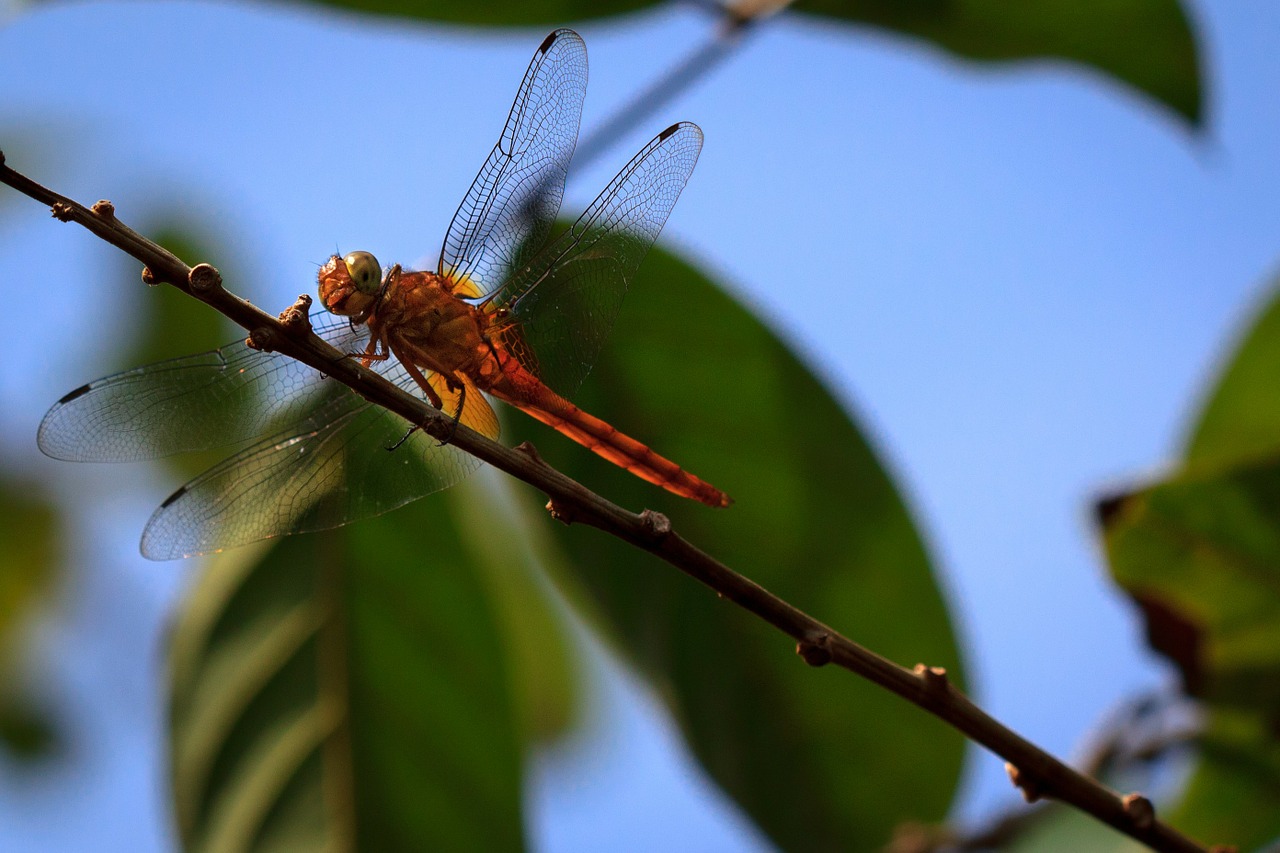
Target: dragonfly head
pixel 350 285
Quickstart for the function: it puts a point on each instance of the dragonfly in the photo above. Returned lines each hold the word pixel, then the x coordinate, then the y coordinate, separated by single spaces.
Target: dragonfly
pixel 508 312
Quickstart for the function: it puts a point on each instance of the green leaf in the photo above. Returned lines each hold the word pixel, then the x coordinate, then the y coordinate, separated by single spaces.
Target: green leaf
pixel 1146 44
pixel 1234 794
pixel 817 757
pixel 28 559
pixel 25 729
pixel 29 567
pixel 549 13
pixel 508 556
pixel 346 690
pixel 1199 553
pixel 1242 416
pixel 1059 828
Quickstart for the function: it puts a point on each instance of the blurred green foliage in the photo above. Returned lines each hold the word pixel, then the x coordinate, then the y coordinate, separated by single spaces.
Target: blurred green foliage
pixel 507 13
pixel 696 374
pixel 30 567
pixel 820 760
pixel 1058 829
pixel 382 685
pixel 1200 554
pixel 348 687
pixel 1147 45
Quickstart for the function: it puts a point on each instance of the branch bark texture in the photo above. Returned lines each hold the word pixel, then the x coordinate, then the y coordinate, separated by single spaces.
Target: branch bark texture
pixel 1037 773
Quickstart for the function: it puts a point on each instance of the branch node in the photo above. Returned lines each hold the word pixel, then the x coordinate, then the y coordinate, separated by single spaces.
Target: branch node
pixel 204 279
pixel 1 158
pixel 62 211
pixel 815 649
pixel 263 339
pixel 1139 810
pixel 529 450
pixel 296 319
pixel 149 278
pixel 1031 790
pixel 656 525
pixel 563 513
pixel 934 679
pixel 104 209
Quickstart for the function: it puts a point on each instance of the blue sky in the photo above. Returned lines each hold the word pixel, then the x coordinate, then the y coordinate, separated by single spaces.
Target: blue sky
pixel 1021 279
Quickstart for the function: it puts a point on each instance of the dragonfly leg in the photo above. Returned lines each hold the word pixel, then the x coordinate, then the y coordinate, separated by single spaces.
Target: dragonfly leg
pixel 393 448
pixel 370 353
pixel 457 415
pixel 416 375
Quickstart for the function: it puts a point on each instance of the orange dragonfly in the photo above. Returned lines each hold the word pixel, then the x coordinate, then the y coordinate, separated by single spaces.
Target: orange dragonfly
pixel 502 314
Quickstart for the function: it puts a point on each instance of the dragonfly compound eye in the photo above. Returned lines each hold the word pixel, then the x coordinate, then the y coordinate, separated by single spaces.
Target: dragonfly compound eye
pixel 366 274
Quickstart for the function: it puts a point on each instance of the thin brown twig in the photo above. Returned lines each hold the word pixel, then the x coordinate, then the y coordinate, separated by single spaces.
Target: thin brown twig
pixel 1143 730
pixel 1035 771
pixel 736 19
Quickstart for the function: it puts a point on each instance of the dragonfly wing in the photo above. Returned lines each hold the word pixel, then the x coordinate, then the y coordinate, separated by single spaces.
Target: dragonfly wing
pixel 564 302
pixel 476 411
pixel 226 396
pixel 508 211
pixel 331 468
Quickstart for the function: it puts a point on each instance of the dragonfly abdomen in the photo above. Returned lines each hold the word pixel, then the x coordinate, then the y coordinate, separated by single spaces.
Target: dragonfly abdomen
pixel 524 391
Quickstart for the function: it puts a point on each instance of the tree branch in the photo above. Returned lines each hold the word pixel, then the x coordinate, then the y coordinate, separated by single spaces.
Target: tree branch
pixel 1032 769
pixel 677 80
pixel 1142 731
pixel 735 20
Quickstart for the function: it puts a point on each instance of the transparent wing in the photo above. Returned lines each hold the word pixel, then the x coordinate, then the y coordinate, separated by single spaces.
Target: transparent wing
pixel 513 201
pixel 331 468
pixel 561 306
pixel 475 412
pixel 324 464
pixel 212 399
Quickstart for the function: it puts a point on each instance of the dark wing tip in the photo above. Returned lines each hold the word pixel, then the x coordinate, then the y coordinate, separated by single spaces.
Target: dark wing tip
pixel 71 395
pixel 551 39
pixel 173 497
pixel 556 36
pixel 677 127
